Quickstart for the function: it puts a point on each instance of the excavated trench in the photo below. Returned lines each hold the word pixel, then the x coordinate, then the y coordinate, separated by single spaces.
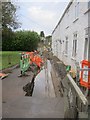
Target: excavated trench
pixel 28 88
pixel 41 84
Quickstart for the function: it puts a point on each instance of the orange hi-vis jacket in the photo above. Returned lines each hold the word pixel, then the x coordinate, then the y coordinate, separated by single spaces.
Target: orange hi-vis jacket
pixel 37 60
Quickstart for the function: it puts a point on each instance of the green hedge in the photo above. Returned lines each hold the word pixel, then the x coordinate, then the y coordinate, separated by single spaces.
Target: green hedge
pixel 20 41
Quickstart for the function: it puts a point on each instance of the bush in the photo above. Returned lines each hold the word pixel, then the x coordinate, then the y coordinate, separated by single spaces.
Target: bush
pixel 22 41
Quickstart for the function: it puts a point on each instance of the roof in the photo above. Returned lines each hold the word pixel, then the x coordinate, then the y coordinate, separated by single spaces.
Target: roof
pixel 63 14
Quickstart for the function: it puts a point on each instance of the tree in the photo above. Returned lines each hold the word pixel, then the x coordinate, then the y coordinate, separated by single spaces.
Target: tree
pixel 9 18
pixel 25 41
pixel 42 34
pixel 9 23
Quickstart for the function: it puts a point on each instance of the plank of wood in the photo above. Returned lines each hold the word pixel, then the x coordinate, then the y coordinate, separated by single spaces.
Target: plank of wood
pixel 77 90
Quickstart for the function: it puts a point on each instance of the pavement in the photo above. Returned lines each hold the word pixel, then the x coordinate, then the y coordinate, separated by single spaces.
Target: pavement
pixel 42 104
pixel 25 107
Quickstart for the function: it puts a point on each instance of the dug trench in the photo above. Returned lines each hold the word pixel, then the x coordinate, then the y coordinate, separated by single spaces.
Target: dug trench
pixel 41 84
pixel 51 64
pixel 25 99
pixel 28 88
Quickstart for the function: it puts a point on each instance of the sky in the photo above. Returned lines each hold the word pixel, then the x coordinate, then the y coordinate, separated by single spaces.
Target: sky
pixel 40 15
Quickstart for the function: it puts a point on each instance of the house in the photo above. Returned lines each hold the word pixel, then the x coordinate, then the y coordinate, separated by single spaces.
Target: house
pixel 71 36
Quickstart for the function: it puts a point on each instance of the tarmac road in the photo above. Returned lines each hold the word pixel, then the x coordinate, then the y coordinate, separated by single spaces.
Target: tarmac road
pixel 42 104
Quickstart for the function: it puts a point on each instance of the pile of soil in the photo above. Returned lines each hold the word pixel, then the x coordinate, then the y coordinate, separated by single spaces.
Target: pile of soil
pixel 60 69
pixel 58 65
pixel 59 72
pixel 28 88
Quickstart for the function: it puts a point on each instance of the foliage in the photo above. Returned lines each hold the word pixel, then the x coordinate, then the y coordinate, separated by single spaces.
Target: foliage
pixel 9 18
pixel 9 23
pixel 42 34
pixel 14 41
pixel 22 41
pixel 26 40
pixel 7 39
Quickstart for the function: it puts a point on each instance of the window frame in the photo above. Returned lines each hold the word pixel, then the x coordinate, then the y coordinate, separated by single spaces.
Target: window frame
pixel 74 47
pixel 66 45
pixel 76 15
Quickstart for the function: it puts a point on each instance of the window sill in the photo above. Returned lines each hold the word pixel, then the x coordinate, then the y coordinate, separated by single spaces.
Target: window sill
pixel 75 20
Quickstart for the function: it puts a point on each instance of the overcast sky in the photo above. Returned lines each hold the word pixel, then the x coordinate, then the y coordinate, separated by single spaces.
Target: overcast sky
pixel 42 15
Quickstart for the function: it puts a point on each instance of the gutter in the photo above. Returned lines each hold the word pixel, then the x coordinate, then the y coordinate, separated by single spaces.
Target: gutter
pixel 63 14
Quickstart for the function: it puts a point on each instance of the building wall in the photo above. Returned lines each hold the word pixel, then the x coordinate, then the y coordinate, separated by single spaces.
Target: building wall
pixel 66 28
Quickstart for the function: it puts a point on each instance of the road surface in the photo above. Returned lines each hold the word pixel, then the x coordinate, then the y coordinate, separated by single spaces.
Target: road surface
pixel 42 104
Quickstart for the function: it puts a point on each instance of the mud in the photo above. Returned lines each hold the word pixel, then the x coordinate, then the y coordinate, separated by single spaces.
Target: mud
pixel 29 87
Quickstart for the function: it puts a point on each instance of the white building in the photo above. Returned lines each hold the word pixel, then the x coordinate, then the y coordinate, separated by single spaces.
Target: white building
pixel 70 38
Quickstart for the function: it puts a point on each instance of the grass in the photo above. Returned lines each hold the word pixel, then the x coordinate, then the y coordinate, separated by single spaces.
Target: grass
pixel 9 58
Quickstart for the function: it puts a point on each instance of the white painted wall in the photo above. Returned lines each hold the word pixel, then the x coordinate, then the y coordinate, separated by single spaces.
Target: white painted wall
pixel 62 31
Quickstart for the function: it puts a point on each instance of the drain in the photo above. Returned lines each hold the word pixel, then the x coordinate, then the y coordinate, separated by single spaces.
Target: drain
pixel 28 88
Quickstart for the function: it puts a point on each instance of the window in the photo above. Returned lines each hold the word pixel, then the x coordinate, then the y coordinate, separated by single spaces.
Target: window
pixel 88 4
pixel 74 51
pixel 86 49
pixel 66 46
pixel 67 16
pixel 77 10
pixel 87 31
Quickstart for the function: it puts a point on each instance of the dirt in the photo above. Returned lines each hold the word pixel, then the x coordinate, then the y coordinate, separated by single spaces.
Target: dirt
pixel 29 87
pixel 58 65
pixel 58 72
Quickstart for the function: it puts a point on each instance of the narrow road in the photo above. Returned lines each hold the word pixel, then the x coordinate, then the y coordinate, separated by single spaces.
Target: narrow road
pixel 42 104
